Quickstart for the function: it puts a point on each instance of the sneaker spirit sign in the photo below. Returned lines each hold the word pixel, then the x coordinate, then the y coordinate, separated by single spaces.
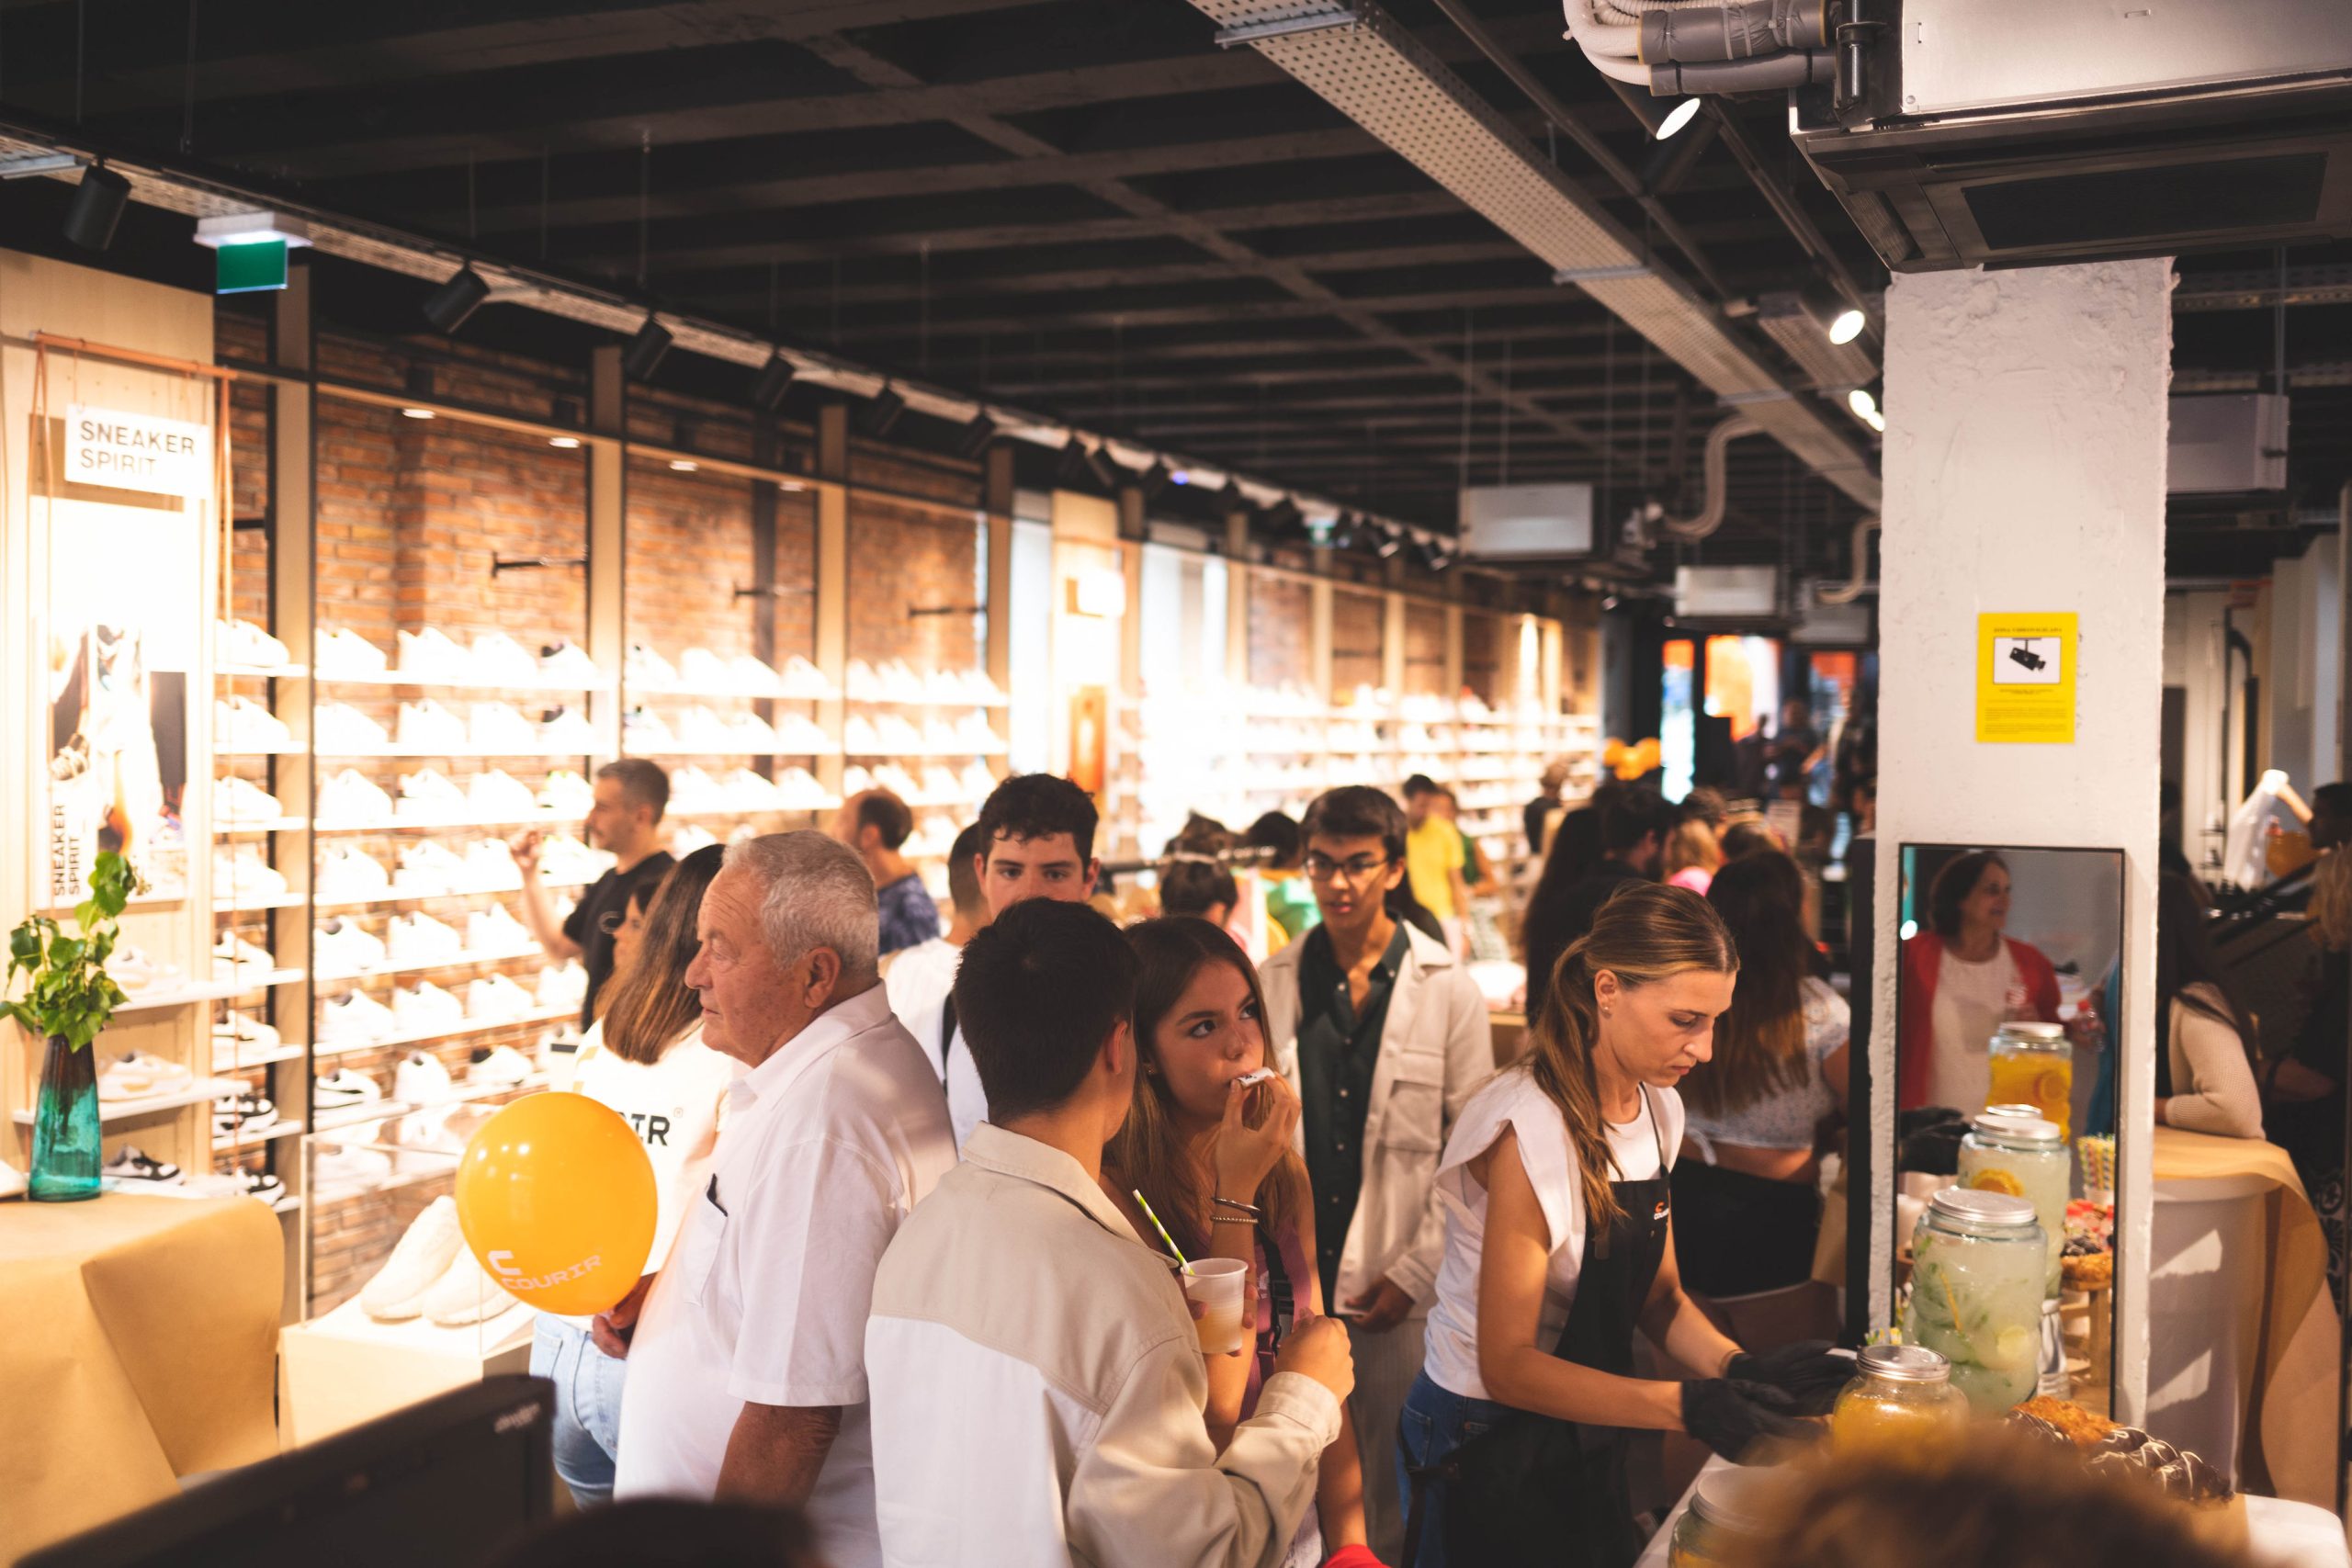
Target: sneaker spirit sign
pixel 137 451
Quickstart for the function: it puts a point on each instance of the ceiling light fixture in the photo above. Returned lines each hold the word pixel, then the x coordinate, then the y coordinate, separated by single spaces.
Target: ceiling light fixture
pixel 1838 318
pixel 97 207
pixel 416 413
pixel 645 350
pixel 1106 469
pixel 882 413
pixel 1153 480
pixel 1677 118
pixel 974 439
pixel 1073 470
pixel 1391 541
pixel 1865 408
pixel 774 380
pixel 451 302
pixel 681 466
pixel 568 443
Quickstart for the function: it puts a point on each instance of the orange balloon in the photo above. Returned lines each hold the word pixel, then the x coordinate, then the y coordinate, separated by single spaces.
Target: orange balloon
pixel 556 1197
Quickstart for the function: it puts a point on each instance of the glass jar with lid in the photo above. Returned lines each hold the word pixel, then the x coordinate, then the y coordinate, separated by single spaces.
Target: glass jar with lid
pixel 1902 1396
pixel 2034 1064
pixel 1979 1271
pixel 2015 1149
pixel 1730 1509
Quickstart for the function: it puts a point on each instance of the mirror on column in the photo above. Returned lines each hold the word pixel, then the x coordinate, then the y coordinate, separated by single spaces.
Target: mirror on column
pixel 2008 996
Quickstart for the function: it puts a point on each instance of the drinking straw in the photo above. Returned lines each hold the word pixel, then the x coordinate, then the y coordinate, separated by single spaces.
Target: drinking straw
pixel 1170 1240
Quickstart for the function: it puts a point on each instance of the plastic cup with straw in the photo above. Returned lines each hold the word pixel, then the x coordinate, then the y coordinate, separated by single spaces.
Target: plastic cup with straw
pixel 1214 1285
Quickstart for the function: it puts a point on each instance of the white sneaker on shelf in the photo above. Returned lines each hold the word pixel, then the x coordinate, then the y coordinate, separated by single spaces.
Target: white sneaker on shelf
pixel 899 737
pixel 567 661
pixel 358 1018
pixel 341 730
pixel 136 1075
pixel 861 682
pixel 431 656
pixel 565 860
pixel 416 1265
pixel 747 791
pixel 426 1009
pixel 427 870
pixel 803 680
pixel 939 738
pixel 940 785
pixel 342 652
pixel 900 682
pixel 504 1066
pixel 241 724
pixel 567 794
pixel 466 1294
pixel 566 729
pixel 498 727
pixel 241 803
pixel 699 730
pixel 341 949
pixel 693 790
pixel 690 838
pixel 242 877
pixel 344 1086
pixel 427 796
pixel 495 931
pixel 855 780
pixel 242 1115
pixel 426 725
pixel 347 875
pixel 419 939
pixel 979 782
pixel 139 974
pixel 859 738
pixel 699 670
pixel 797 736
pixel 135 1168
pixel 562 986
pixel 497 658
pixel 752 677
pixel 242 642
pixel 351 797
pixel 498 795
pixel 237 1035
pixel 642 730
pixel 495 997
pixel 798 789
pixel 346 1171
pixel 751 735
pixel 421 1079
pixel 489 868
pixel 235 959
pixel 898 781
pixel 649 670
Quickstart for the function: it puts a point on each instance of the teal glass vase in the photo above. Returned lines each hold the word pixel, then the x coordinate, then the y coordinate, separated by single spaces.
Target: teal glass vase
pixel 67 1144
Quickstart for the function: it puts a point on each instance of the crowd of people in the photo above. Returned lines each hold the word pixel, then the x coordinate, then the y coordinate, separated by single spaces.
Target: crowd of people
pixel 925 1180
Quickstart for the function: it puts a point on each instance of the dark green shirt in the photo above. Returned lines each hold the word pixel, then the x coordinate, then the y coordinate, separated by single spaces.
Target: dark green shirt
pixel 1339 1046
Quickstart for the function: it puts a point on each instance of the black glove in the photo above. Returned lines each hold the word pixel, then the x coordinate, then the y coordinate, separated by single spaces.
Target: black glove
pixel 1927 1140
pixel 1808 1372
pixel 1729 1414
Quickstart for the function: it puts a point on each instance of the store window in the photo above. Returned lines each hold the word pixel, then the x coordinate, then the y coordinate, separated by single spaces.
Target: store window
pixel 1678 736
pixel 1031 607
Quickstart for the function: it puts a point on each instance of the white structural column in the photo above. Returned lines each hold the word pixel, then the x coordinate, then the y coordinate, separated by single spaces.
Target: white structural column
pixel 2025 473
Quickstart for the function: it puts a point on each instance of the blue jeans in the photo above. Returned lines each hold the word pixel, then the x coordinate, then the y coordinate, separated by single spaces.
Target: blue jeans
pixel 1436 1422
pixel 587 1406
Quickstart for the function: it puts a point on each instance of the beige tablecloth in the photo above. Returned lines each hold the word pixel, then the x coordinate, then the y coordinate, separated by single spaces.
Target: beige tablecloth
pixel 139 1347
pixel 2289 1445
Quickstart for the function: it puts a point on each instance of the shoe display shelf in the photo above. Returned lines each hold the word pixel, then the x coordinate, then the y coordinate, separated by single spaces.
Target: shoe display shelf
pixel 453 1032
pixel 197 1091
pixel 413 894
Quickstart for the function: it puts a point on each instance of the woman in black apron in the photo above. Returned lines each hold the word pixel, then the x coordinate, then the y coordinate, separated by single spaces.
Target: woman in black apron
pixel 1557 1183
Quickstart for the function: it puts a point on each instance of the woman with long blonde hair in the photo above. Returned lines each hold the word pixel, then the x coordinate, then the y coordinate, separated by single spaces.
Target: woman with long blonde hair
pixel 1213 1158
pixel 1559 1246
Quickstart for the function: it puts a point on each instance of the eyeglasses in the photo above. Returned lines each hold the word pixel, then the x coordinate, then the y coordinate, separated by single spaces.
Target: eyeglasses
pixel 1322 868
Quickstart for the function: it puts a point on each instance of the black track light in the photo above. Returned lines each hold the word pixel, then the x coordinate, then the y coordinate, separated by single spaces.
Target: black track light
pixel 645 350
pixel 1283 518
pixel 1073 470
pixel 974 439
pixel 1345 533
pixel 1154 480
pixel 448 306
pixel 97 207
pixel 882 413
pixel 1232 497
pixel 1389 541
pixel 1106 469
pixel 1435 557
pixel 1838 318
pixel 774 380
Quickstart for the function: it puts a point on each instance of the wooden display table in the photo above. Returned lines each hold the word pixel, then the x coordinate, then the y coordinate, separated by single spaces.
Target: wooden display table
pixel 140 1336
pixel 346 1368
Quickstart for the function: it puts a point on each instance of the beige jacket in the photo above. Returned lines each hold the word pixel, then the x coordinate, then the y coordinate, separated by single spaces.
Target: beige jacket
pixel 1036 1389
pixel 1435 1050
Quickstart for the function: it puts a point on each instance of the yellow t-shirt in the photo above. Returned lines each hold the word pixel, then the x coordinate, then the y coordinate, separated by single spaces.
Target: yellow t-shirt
pixel 1432 851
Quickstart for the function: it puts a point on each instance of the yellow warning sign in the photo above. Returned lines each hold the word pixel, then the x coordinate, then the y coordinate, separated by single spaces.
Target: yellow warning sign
pixel 2025 678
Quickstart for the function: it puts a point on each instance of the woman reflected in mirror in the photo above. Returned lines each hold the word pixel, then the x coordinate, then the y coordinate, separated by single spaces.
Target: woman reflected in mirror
pixel 1963 979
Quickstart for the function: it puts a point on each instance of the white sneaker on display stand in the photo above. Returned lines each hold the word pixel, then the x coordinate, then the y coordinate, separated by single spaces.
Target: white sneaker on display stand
pixel 136 1075
pixel 242 642
pixel 426 725
pixel 343 652
pixel 341 949
pixel 416 1265
pixel 239 961
pixel 489 868
pixel 341 730
pixel 242 876
pixel 562 986
pixel 347 875
pixel 241 724
pixel 427 796
pixel 647 670
pixel 427 870
pixel 751 735
pixel 426 1009
pixel 351 797
pixel 567 661
pixel 693 790
pixel 358 1018
pixel 495 931
pixel 421 1079
pixel 700 670
pixel 465 1294
pixel 689 838
pixel 643 730
pixel 241 802
pixel 497 795
pixel 802 680
pixel 418 938
pixel 493 727
pixel 495 997
pixel 432 655
pixel 562 728
pixel 503 1066
pixel 497 656
pixel 345 1087
pixel 567 794
pixel 751 677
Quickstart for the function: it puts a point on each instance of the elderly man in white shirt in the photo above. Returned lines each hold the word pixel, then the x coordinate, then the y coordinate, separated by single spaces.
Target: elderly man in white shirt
pixel 747 1379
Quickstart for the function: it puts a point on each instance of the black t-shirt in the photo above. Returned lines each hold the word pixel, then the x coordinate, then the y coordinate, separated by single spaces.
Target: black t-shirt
pixel 602 908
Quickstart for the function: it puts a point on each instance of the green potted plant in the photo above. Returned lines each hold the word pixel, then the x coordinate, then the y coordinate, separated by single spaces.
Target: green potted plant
pixel 69 999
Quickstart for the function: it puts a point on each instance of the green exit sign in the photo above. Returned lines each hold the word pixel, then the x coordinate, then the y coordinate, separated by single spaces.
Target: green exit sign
pixel 248 267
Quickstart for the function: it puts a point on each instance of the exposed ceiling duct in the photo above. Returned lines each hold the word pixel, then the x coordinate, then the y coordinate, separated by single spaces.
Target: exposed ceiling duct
pixel 1357 58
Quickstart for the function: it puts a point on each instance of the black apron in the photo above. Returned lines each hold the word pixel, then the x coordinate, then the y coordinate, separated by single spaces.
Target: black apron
pixel 1536 1492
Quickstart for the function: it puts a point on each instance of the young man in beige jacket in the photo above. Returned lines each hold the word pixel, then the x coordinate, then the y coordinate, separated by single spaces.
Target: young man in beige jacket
pixel 1035 1377
pixel 1384 1036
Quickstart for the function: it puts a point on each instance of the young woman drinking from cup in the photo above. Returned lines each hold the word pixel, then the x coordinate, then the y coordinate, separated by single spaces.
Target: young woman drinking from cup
pixel 1560 1247
pixel 1212 1156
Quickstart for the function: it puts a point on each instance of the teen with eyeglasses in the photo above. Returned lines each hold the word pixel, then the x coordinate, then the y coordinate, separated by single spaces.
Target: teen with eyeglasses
pixel 1383 1035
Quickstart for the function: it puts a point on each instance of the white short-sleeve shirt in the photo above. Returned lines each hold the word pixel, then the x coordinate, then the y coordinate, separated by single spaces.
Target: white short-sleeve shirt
pixel 829 1145
pixel 918 981
pixel 1512 1099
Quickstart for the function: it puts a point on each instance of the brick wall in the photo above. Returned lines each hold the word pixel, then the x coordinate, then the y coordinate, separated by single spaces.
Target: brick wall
pixel 1425 650
pixel 1359 625
pixel 903 559
pixel 1282 631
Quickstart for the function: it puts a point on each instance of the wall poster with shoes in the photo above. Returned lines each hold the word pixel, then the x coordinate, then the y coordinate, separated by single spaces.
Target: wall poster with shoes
pixel 126 497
